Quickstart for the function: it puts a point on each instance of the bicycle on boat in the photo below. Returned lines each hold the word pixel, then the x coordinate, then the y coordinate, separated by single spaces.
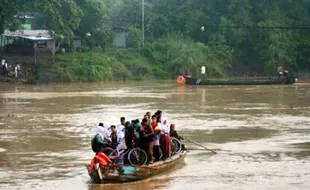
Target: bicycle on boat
pixel 135 155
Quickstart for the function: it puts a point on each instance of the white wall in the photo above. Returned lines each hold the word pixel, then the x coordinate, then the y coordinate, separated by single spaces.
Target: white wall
pixel 120 39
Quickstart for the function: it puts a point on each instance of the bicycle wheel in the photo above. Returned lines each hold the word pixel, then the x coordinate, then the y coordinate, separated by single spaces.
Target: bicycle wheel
pixel 137 156
pixel 176 146
pixel 108 151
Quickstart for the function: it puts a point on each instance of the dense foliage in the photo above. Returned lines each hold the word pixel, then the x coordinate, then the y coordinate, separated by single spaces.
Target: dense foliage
pixel 239 37
pixel 262 34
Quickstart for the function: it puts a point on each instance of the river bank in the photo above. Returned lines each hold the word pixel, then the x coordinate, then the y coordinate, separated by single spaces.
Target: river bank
pixel 123 64
pixel 112 65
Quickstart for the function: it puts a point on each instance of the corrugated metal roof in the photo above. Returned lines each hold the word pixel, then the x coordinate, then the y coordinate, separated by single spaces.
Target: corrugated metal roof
pixel 35 35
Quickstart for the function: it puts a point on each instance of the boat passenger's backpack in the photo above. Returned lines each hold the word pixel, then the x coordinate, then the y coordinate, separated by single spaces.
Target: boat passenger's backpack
pixel 94 143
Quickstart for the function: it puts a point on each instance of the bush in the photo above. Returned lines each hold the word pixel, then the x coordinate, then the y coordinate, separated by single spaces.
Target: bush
pixel 175 54
pixel 134 37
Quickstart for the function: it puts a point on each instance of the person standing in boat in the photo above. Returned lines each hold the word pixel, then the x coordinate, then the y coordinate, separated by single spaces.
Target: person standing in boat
pixel 156 138
pixel 113 135
pixel 121 144
pixel 137 126
pixel 165 140
pixel 146 140
pixel 123 120
pixel 148 116
pixel 158 116
pixel 129 139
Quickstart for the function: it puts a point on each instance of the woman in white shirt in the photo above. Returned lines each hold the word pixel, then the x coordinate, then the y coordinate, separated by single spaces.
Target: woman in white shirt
pixel 165 140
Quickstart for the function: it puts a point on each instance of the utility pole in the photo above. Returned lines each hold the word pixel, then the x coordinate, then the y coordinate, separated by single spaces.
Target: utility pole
pixel 142 22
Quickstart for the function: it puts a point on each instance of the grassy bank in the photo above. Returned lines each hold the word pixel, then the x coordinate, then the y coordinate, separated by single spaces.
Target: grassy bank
pixel 161 59
pixel 126 64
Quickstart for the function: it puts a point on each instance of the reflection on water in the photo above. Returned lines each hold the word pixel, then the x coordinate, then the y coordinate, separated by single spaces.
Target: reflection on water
pixel 261 133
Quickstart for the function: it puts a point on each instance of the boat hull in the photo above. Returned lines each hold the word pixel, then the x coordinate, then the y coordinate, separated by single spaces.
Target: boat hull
pixel 255 81
pixel 118 173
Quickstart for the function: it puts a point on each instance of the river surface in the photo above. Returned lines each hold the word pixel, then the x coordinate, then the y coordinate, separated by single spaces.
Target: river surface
pixel 261 133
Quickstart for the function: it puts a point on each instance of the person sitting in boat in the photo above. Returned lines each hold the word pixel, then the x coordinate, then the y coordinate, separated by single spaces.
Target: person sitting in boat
pixel 156 138
pixel 101 137
pixel 146 139
pixel 174 133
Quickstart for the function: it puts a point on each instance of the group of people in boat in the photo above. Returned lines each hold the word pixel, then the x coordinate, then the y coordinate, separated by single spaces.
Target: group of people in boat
pixel 152 134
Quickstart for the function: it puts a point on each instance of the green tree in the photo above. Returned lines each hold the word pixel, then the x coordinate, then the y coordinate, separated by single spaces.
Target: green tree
pixel 60 16
pixel 8 10
pixel 134 37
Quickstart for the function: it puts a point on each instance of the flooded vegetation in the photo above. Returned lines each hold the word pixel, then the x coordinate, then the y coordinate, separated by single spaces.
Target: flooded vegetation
pixel 261 133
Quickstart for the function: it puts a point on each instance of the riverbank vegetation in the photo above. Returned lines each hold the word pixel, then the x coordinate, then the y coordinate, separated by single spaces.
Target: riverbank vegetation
pixel 231 38
pixel 162 59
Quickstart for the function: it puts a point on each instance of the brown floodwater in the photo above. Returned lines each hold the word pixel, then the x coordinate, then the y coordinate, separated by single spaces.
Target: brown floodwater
pixel 261 133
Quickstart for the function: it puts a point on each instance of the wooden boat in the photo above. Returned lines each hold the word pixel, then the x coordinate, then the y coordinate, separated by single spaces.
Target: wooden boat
pixel 120 173
pixel 250 81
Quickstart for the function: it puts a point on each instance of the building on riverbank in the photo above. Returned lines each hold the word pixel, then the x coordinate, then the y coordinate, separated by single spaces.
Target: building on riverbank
pixel 30 43
pixel 119 28
pixel 27 42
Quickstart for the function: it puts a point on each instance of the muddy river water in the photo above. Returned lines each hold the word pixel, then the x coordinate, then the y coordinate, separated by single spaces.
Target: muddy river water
pixel 261 133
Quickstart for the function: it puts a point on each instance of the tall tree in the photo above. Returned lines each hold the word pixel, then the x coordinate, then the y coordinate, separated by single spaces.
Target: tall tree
pixel 8 9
